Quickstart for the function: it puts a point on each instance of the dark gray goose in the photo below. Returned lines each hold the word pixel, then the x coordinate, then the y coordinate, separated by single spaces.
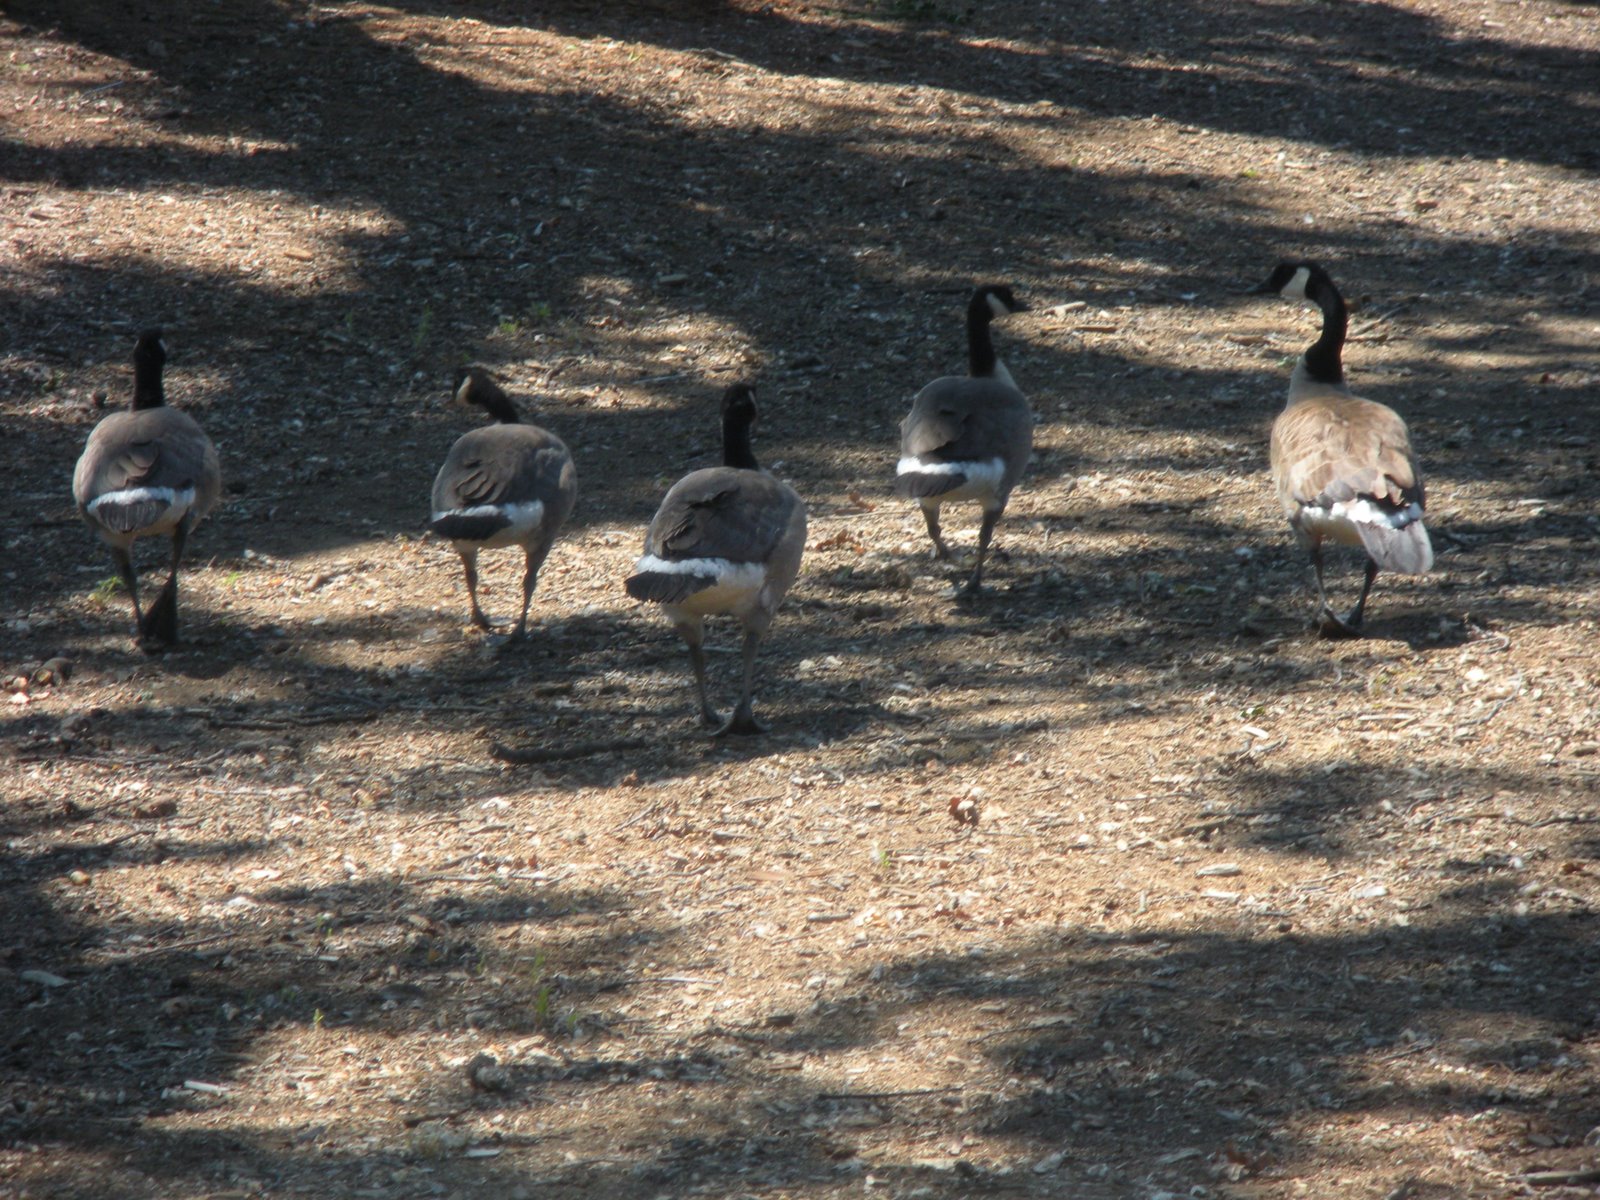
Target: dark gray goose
pixel 506 484
pixel 1343 465
pixel 727 540
pixel 968 437
pixel 143 473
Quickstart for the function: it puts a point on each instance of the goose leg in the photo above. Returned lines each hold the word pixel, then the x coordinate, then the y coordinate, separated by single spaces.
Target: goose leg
pixel 530 579
pixel 930 514
pixel 743 720
pixel 130 580
pixel 1329 624
pixel 1355 615
pixel 985 533
pixel 160 626
pixel 693 634
pixel 469 567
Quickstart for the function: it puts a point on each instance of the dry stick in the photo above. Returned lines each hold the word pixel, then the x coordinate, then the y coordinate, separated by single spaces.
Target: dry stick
pixel 412 1120
pixel 562 753
pixel 1558 1178
pixel 938 1091
pixel 1374 322
pixel 176 947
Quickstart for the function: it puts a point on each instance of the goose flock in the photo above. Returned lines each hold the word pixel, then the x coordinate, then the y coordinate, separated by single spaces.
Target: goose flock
pixel 728 540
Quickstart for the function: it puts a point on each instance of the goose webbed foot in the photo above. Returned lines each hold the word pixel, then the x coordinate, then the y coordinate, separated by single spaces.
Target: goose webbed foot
pixel 741 724
pixel 1334 627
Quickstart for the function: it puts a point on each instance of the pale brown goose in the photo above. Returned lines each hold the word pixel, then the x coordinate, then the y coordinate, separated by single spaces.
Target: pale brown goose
pixel 1343 465
pixel 728 540
pixel 968 437
pixel 145 472
pixel 506 484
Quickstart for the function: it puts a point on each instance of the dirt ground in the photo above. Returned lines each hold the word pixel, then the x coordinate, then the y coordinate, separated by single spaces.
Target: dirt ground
pixel 1243 913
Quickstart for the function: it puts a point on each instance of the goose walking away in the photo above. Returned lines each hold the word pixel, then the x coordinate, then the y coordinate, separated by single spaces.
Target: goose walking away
pixel 728 540
pixel 1343 465
pixel 143 473
pixel 506 484
pixel 968 437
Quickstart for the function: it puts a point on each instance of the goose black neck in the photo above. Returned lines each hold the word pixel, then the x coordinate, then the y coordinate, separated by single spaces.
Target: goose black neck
pixel 474 387
pixel 981 357
pixel 498 405
pixel 736 451
pixel 1324 357
pixel 148 391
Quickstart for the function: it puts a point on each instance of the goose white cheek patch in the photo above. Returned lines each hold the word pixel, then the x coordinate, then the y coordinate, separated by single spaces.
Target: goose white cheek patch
pixel 1295 289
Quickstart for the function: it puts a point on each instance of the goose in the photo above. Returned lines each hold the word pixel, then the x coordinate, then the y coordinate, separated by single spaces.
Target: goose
pixel 506 484
pixel 968 437
pixel 1343 465
pixel 728 540
pixel 146 472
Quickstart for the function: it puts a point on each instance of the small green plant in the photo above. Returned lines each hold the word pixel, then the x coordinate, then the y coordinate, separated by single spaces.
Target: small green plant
pixel 419 337
pixel 541 1004
pixel 106 590
pixel 316 1019
pixel 508 325
pixel 883 861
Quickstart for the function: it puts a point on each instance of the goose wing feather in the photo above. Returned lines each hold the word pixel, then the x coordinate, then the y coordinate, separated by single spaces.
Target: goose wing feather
pixel 1338 450
pixel 725 513
pixel 502 464
pixel 149 448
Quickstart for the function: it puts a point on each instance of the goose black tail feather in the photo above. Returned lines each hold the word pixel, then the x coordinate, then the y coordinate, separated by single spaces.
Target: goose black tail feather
pixel 912 486
pixel 662 587
pixel 460 527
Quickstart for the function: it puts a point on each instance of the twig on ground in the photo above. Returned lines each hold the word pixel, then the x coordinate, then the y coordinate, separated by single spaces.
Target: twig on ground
pixel 1561 1178
pixel 532 754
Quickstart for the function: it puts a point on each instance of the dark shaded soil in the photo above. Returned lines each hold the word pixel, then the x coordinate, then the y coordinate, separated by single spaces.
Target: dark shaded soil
pixel 1243 913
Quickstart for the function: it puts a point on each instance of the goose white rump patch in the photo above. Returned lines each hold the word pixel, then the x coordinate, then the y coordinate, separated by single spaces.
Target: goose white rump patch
pixel 523 519
pixel 737 586
pixel 1343 521
pixel 1359 511
pixel 177 502
pixel 983 477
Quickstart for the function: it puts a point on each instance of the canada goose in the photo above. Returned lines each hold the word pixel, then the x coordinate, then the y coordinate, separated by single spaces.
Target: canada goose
pixel 507 484
pixel 148 471
pixel 726 539
pixel 968 437
pixel 1343 465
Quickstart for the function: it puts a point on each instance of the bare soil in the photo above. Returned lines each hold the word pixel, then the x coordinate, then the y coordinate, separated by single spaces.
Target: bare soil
pixel 1243 913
